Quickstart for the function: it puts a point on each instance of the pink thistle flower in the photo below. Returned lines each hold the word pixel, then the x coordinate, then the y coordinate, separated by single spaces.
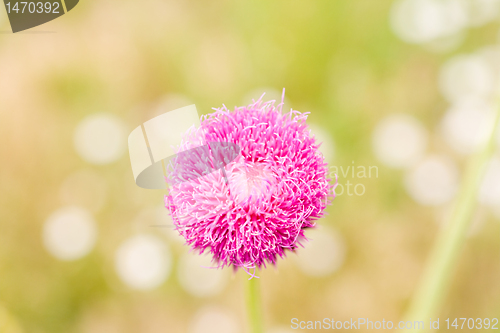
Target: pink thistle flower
pixel 273 183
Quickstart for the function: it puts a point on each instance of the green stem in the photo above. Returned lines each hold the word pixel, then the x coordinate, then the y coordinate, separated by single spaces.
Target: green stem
pixel 433 287
pixel 254 305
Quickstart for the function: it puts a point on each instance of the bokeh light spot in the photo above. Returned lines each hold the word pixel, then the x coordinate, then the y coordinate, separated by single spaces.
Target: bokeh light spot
pixel 214 320
pixel 198 278
pixel 465 125
pixel 100 139
pixel 483 11
pixel 399 141
pixel 143 262
pixel 433 181
pixel 70 233
pixel 489 193
pixel 420 21
pixel 466 75
pixel 323 254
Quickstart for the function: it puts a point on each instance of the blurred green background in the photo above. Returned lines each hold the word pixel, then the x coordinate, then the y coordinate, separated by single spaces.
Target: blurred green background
pixel 72 90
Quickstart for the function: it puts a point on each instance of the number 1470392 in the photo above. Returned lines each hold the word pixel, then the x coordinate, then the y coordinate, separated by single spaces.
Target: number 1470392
pixel 471 323
pixel 33 7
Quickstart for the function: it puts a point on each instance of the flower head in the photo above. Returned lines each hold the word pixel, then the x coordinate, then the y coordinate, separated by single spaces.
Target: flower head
pixel 271 183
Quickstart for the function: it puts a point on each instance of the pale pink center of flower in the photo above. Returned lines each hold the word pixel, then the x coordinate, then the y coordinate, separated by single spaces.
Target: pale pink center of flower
pixel 251 181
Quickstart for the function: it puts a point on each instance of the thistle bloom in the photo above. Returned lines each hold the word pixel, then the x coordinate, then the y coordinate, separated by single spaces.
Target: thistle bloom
pixel 273 183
